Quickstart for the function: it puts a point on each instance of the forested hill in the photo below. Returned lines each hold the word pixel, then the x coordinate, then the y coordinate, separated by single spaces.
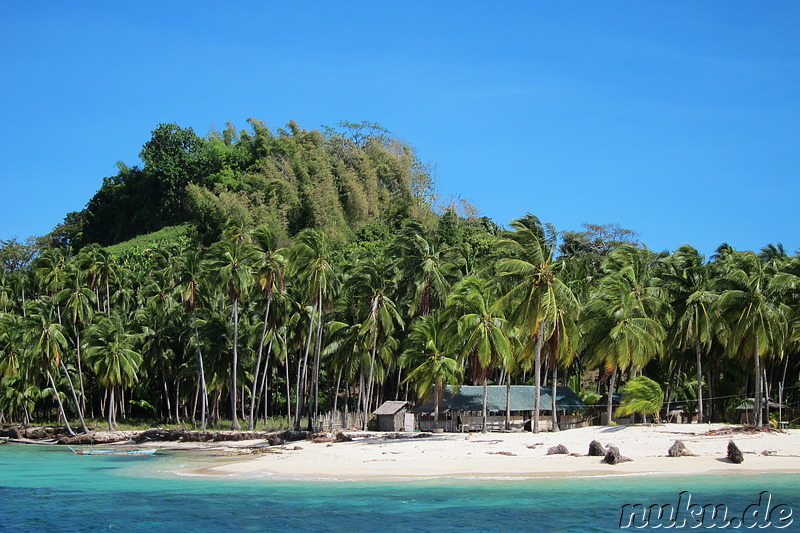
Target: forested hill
pixel 336 180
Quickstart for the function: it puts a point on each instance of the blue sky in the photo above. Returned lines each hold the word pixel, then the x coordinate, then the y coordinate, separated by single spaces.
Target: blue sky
pixel 678 120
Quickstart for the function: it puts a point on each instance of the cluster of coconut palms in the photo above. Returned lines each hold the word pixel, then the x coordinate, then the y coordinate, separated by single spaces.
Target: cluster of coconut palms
pixel 246 330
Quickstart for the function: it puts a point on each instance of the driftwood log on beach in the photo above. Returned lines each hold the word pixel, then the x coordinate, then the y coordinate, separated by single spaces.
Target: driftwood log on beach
pixel 183 435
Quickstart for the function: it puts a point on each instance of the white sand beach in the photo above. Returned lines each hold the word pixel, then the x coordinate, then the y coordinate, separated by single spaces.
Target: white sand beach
pixel 373 455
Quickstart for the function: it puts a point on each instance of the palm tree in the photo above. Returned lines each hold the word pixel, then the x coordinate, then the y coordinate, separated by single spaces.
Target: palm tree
pixel 315 280
pixel 190 284
pixel 270 264
pixel 431 365
pixel 481 330
pixel 688 282
pixel 231 263
pixel 380 318
pixel 754 312
pixel 423 268
pixel 536 293
pixel 77 300
pixel 114 359
pixel 47 344
pixel 619 323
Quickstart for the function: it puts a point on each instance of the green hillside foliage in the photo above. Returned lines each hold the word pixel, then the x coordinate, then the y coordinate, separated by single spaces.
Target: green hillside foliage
pixel 179 236
pixel 336 181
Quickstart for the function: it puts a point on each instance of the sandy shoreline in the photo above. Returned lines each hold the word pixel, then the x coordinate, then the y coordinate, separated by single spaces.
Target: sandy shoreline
pixel 511 455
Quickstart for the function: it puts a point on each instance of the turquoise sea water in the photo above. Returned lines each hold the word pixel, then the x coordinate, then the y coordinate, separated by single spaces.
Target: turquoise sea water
pixel 50 489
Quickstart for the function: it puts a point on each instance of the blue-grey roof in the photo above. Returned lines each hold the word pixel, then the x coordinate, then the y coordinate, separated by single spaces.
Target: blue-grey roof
pixel 522 398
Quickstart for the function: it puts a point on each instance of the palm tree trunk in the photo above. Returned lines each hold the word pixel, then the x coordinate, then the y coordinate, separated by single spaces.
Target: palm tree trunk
pixel 110 409
pixel 288 394
pixel 300 392
pixel 538 377
pixel 263 396
pixel 555 393
pixel 699 383
pixel 484 429
pixel 435 406
pixel 84 429
pixel 369 382
pixel 202 373
pixel 234 381
pixel 610 405
pixel 757 399
pixel 317 356
pixel 60 405
pixel 508 402
pixel 80 371
pixel 258 364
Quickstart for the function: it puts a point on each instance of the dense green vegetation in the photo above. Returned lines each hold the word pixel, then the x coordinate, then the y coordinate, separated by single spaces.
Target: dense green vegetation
pixel 294 273
pixel 337 182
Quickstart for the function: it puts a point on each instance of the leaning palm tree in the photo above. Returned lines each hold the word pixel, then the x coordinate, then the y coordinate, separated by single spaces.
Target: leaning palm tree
pixel 535 293
pixel 77 300
pixel 642 395
pixel 46 341
pixel 754 312
pixel 431 366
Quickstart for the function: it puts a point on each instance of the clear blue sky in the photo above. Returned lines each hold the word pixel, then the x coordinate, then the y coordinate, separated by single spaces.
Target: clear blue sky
pixel 679 120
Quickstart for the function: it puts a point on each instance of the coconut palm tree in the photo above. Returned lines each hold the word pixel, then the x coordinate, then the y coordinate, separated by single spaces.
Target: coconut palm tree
pixel 378 311
pixel 535 292
pixel 689 284
pixel 45 339
pixel 114 359
pixel 231 262
pixel 481 329
pixel 620 325
pixel 431 366
pixel 78 301
pixel 270 265
pixel 315 280
pixel 754 312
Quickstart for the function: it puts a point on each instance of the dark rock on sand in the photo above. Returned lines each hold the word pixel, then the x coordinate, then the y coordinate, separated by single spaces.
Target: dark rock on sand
pixel 596 449
pixel 558 450
pixel 614 457
pixel 734 453
pixel 678 449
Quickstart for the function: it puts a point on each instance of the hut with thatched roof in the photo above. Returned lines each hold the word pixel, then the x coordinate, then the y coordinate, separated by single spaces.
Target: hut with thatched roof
pixel 394 416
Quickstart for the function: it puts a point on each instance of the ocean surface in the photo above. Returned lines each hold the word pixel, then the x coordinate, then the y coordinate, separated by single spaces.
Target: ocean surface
pixel 51 489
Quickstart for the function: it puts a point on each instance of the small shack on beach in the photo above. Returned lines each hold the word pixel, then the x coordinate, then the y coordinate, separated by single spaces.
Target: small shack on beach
pixel 394 416
pixel 460 408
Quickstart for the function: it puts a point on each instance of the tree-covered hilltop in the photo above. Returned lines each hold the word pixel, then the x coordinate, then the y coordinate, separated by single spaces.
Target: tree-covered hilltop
pixel 336 181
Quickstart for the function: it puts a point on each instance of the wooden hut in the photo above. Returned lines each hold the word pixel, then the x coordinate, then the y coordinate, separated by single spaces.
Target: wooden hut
pixel 394 416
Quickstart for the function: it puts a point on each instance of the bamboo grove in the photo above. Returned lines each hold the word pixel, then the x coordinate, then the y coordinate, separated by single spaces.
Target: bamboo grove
pixel 255 319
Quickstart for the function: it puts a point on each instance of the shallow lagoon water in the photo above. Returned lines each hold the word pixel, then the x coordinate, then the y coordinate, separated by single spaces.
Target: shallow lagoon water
pixel 50 489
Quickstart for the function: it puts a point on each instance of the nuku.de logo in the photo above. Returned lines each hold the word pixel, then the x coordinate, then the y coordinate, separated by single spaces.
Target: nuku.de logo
pixel 686 514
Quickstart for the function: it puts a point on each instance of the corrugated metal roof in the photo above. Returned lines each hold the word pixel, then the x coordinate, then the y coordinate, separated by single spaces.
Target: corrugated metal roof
pixel 390 407
pixel 522 398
